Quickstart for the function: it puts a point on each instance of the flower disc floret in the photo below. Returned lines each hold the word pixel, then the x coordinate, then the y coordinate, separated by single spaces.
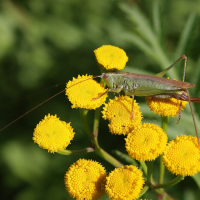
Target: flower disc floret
pixel 165 106
pixel 124 183
pixel 82 92
pixel 119 113
pixel 85 179
pixel 53 134
pixel 110 57
pixel 182 156
pixel 146 142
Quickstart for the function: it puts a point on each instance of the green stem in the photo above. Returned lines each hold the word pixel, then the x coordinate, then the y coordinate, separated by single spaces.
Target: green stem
pixel 83 114
pixel 96 124
pixel 145 189
pixel 164 126
pixel 171 183
pixel 144 166
pixel 93 137
pixel 103 154
pixel 125 157
pixel 74 152
pixel 149 171
pixel 161 171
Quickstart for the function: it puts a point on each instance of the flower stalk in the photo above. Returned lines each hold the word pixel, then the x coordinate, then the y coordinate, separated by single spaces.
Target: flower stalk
pixel 164 125
pixel 75 152
pixel 93 137
pixel 170 183
pixel 149 171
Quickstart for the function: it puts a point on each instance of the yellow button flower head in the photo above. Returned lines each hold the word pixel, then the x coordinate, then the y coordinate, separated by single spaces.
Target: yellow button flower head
pixel 85 179
pixel 82 94
pixel 166 106
pixel 182 156
pixel 124 183
pixel 110 57
pixel 146 142
pixel 53 134
pixel 119 113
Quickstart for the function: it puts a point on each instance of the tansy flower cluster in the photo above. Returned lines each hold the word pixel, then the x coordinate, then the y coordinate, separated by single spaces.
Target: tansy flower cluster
pixel 119 113
pixel 166 106
pixel 111 57
pixel 146 142
pixel 83 92
pixel 124 183
pixel 87 179
pixel 182 156
pixel 53 134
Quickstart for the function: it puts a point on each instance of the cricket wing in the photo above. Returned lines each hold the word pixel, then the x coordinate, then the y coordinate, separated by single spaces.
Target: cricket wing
pixel 144 81
pixel 148 91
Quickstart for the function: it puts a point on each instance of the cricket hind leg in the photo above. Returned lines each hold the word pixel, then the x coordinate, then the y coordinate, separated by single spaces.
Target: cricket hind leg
pixel 195 126
pixel 162 73
pixel 184 68
pixel 185 98
pixel 188 98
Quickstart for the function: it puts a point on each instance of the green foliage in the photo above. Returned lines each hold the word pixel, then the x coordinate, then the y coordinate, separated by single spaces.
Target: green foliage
pixel 44 43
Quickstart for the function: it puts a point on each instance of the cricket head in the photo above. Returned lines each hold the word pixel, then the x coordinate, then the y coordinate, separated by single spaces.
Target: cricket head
pixel 108 78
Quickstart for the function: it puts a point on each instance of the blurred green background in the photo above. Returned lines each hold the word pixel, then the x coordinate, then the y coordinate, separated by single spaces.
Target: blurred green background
pixel 45 43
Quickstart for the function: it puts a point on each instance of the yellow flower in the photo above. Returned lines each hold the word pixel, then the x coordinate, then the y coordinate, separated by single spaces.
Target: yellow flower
pixel 165 106
pixel 82 93
pixel 146 142
pixel 124 183
pixel 182 156
pixel 53 134
pixel 119 113
pixel 110 57
pixel 85 179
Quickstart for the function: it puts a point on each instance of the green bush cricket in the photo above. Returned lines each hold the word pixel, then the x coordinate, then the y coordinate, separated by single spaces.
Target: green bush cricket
pixel 144 85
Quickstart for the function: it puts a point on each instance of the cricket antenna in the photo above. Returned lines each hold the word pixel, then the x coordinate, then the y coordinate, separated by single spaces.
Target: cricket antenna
pixel 30 110
pixel 44 102
pixel 100 76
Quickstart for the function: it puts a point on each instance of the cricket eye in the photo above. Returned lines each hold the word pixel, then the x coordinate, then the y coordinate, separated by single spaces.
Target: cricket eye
pixel 106 77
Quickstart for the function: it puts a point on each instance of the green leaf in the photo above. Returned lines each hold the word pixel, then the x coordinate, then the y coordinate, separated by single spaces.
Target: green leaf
pixel 197 179
pixel 185 36
pixel 156 19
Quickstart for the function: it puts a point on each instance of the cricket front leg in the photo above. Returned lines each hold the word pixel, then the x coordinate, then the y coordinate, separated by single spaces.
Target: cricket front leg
pixel 100 96
pixel 115 90
pixel 179 112
pixel 131 94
